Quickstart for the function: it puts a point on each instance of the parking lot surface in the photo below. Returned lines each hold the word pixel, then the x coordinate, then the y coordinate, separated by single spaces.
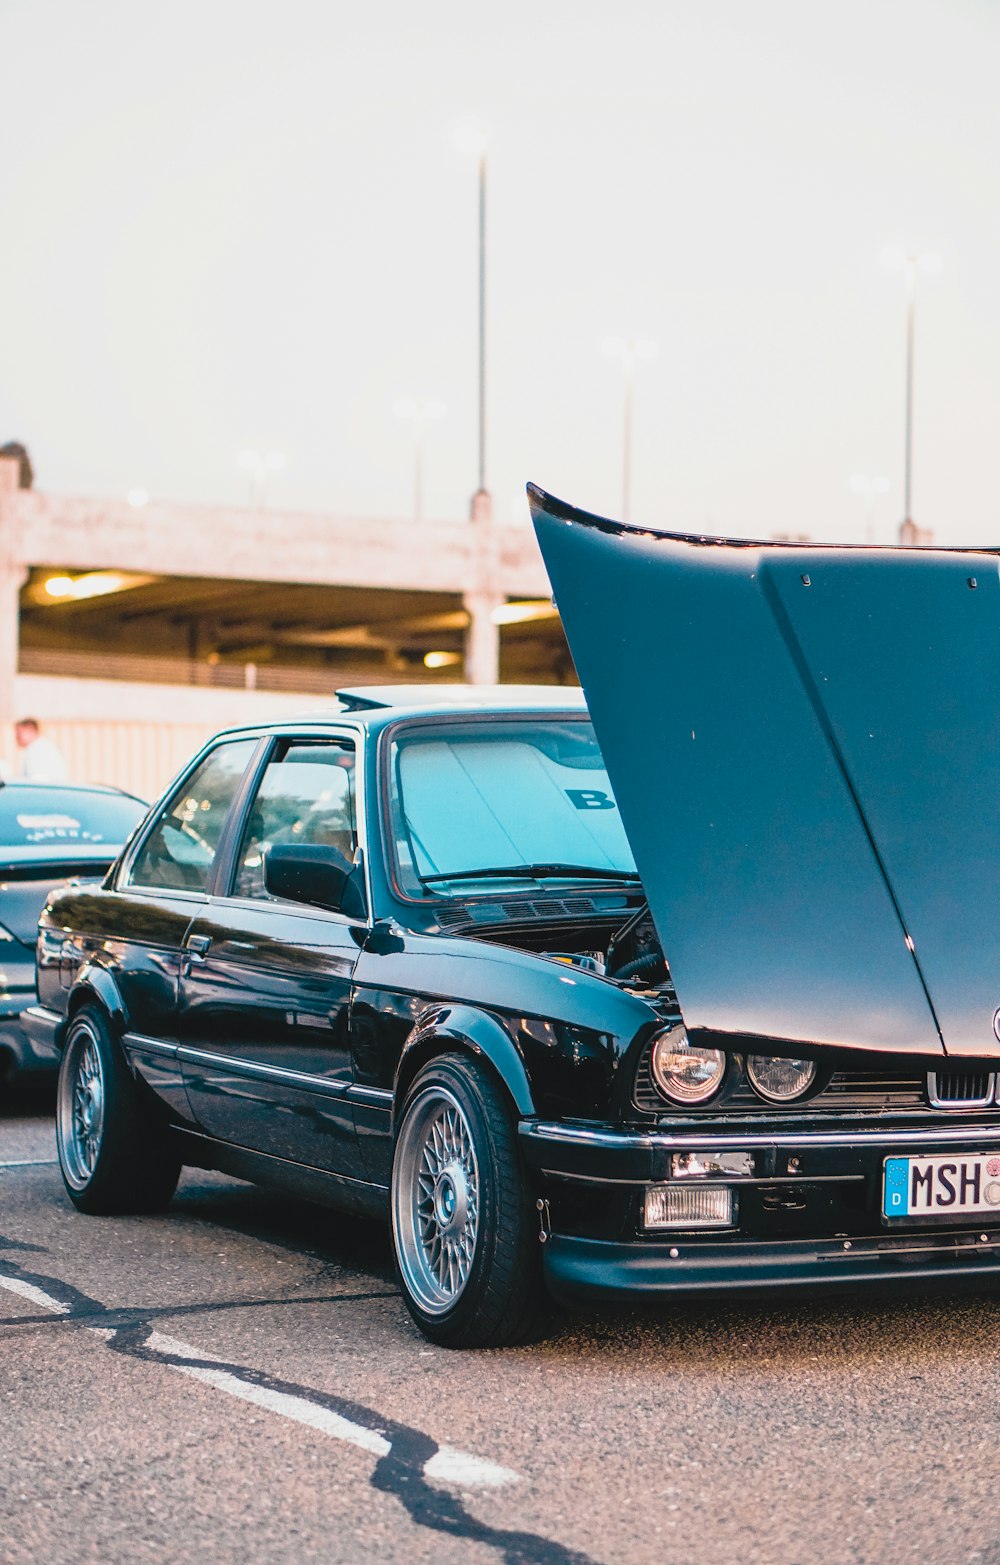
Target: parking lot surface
pixel 238 1379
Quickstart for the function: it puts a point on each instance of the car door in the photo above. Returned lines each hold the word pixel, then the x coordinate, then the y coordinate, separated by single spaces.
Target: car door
pixel 266 985
pixel 141 924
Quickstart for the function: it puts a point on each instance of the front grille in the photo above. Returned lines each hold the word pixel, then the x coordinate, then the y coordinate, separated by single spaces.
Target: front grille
pixel 961 1089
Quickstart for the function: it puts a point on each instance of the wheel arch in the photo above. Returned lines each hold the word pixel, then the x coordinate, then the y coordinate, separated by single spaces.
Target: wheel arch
pixel 95 983
pixel 463 1030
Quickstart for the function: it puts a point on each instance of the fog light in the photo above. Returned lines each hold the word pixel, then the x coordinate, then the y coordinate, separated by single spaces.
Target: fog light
pixel 686 1206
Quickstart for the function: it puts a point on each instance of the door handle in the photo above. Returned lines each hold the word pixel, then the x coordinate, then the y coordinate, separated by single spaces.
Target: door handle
pixel 198 944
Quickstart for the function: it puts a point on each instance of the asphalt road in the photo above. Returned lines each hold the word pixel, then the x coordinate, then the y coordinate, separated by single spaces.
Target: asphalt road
pixel 237 1380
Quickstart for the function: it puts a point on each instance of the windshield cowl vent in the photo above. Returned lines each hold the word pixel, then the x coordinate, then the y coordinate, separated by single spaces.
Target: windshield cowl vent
pixel 551 907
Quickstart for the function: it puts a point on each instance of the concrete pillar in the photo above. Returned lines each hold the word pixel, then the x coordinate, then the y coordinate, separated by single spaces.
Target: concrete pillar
pixel 482 638
pixel 13 575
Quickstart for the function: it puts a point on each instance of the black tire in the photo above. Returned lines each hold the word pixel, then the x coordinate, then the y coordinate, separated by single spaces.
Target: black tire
pixel 113 1155
pixel 464 1228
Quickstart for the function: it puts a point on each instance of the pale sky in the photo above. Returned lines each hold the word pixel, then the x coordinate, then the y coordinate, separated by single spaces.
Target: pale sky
pixel 231 224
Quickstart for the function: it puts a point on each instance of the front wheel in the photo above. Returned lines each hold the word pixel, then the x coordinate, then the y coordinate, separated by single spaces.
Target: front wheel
pixel 113 1155
pixel 463 1227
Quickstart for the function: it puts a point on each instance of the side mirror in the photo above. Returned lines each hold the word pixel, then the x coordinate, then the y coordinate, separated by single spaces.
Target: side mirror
pixel 317 876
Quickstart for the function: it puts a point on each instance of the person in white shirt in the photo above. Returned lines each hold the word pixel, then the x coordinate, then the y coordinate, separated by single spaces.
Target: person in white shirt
pixel 41 760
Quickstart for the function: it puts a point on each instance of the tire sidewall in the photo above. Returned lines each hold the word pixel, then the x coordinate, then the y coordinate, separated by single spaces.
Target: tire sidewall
pixel 85 1027
pixel 134 1170
pixel 460 1077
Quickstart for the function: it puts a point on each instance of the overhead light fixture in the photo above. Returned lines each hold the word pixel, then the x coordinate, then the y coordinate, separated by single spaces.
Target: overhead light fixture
pixel 441 659
pixel 93 584
pixel 521 613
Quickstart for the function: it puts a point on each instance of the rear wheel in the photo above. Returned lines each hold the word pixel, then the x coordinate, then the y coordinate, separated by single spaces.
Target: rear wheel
pixel 464 1229
pixel 113 1155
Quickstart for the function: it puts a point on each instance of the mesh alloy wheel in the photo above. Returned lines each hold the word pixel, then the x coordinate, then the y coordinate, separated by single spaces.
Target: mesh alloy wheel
pixel 80 1108
pixel 114 1147
pixel 436 1200
pixel 464 1224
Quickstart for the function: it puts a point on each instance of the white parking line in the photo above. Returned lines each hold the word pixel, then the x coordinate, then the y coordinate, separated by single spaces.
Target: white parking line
pixel 30 1162
pixel 447 1465
pixel 27 1290
pixel 282 1402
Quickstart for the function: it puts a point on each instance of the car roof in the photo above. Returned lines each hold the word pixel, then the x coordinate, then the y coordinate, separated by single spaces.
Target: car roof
pixel 438 696
pixel 372 707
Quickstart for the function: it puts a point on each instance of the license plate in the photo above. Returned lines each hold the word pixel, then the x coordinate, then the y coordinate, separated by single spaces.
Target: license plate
pixel 941 1186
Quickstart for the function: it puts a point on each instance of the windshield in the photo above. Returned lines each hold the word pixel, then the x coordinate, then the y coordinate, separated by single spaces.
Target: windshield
pixel 69 818
pixel 526 795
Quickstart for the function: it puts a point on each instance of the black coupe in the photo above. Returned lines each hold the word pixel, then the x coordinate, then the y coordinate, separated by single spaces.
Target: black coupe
pixel 400 957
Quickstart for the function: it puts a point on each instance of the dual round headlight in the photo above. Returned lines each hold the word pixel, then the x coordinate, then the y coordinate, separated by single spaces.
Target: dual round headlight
pixel 780 1080
pixel 687 1074
pixel 683 1072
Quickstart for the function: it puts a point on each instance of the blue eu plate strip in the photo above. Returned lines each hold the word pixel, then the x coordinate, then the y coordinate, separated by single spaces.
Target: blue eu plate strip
pixel 896 1196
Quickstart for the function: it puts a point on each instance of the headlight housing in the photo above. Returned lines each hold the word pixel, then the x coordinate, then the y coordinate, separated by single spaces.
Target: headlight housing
pixel 780 1080
pixel 683 1073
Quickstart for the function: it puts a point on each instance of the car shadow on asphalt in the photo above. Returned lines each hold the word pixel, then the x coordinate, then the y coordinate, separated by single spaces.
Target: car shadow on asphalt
pixel 693 1331
pixel 21 1101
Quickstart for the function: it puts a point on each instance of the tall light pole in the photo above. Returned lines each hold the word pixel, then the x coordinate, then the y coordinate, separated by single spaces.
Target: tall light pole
pixel 472 142
pixel 419 414
pixel 628 351
pixel 909 263
pixel 869 489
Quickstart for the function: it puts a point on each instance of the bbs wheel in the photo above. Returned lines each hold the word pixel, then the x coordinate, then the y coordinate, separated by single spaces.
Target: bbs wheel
pixel 463 1228
pixel 113 1155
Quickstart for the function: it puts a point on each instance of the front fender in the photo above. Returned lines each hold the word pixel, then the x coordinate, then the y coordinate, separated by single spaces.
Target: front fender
pixel 462 1027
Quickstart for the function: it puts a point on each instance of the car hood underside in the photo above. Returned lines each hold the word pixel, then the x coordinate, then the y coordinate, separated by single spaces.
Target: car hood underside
pixel 805 746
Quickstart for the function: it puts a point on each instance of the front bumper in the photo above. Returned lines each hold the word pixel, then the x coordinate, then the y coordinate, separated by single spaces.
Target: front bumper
pixel 645 1270
pixel 809 1209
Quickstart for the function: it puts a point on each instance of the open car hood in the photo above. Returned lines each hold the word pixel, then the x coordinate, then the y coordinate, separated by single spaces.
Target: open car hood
pixel 804 742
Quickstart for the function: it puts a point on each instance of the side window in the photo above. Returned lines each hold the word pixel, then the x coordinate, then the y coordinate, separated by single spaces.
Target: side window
pixel 306 795
pixel 179 851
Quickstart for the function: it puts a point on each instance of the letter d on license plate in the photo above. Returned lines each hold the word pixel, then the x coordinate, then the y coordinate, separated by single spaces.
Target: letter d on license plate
pixel 948 1186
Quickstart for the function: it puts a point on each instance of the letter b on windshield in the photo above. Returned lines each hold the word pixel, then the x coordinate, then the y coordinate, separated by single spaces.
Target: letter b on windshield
pixel 590 799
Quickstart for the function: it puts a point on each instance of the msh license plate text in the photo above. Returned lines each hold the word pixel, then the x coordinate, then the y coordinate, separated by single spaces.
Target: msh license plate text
pixel 941 1186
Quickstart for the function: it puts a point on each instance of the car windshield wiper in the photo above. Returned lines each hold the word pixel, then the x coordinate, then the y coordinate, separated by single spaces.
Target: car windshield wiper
pixel 534 872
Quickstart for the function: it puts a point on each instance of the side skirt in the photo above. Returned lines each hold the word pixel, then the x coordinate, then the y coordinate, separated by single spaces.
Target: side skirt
pixel 298 1179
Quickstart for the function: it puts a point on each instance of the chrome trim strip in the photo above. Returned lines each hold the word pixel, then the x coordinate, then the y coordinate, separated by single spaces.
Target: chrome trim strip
pixel 937 1102
pixel 138 1042
pixel 632 1141
pixel 231 1065
pixel 375 1097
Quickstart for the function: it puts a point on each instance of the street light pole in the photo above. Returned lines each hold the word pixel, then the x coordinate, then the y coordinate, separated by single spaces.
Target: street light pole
pixel 471 142
pixel 909 263
pixel 628 351
pixel 482 319
pixel 911 311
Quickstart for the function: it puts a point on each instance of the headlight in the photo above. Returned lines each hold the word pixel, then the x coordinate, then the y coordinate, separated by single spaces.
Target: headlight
pixel 778 1080
pixel 683 1073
